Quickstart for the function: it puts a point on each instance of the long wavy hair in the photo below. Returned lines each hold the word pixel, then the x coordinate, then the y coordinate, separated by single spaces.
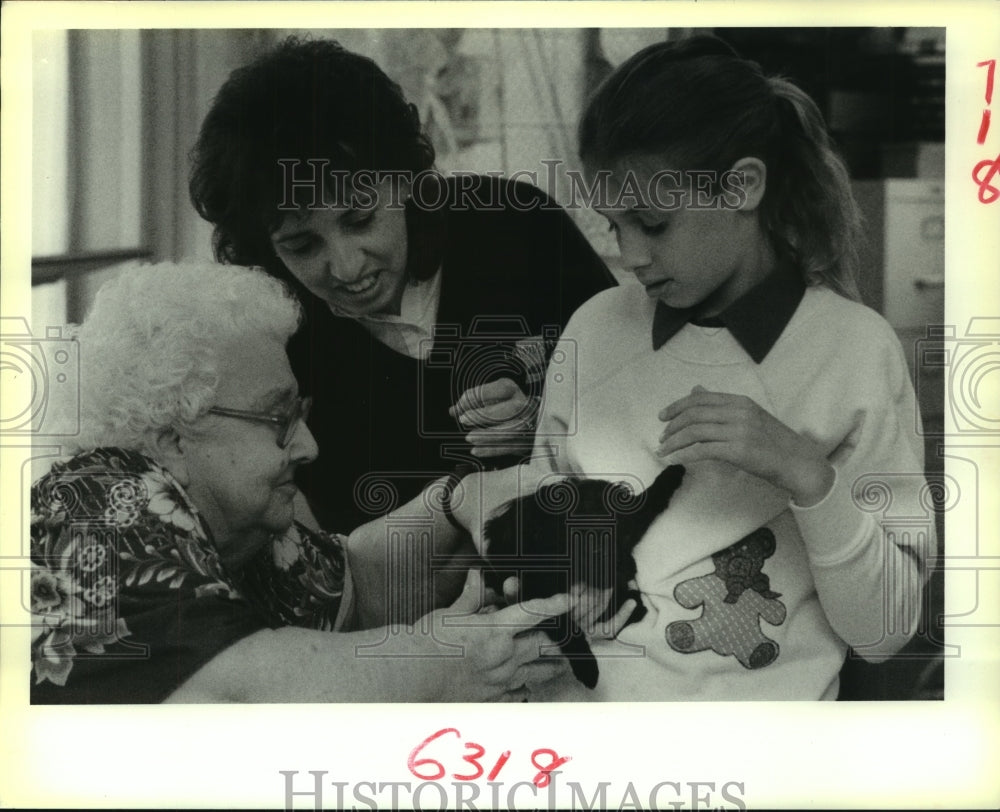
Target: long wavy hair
pixel 696 104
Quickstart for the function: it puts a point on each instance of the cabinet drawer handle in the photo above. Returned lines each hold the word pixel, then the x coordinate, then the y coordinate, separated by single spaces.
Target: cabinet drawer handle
pixel 928 282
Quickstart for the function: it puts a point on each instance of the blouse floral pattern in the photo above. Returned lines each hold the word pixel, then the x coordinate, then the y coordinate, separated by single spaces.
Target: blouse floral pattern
pixel 128 594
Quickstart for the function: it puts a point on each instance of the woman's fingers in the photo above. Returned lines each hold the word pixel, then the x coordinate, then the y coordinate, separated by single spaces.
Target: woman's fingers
pixel 502 640
pixel 519 447
pixel 490 403
pixel 502 418
pixel 518 662
pixel 511 588
pixel 621 617
pixel 472 598
pixel 514 695
pixel 541 669
pixel 508 415
pixel 499 644
pixel 500 430
pixel 608 629
pixel 483 395
pixel 589 603
pixel 523 616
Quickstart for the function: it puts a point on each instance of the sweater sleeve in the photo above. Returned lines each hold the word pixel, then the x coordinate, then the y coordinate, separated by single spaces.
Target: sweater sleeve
pixel 557 410
pixel 869 539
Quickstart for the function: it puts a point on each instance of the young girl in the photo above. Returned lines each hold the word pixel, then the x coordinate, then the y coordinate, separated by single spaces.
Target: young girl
pixel 743 356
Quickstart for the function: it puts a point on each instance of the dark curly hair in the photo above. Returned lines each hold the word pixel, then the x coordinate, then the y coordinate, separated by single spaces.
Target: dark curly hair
pixel 304 100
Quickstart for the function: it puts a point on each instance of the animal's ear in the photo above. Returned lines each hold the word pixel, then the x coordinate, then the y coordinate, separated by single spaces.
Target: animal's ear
pixel 623 497
pixel 665 485
pixel 763 540
pixel 674 475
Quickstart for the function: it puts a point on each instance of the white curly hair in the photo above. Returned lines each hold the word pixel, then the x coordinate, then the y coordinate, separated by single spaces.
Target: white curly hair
pixel 149 347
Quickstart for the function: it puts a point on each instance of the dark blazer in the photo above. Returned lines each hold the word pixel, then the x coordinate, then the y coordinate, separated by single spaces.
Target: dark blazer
pixel 514 269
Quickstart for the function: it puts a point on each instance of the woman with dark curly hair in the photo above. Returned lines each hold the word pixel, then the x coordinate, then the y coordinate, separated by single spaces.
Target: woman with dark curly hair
pixel 432 304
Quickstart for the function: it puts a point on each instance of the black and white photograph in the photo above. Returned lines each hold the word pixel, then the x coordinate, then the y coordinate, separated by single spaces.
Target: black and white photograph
pixel 361 372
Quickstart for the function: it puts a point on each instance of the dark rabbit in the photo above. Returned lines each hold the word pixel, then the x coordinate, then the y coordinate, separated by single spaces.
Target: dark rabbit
pixel 575 531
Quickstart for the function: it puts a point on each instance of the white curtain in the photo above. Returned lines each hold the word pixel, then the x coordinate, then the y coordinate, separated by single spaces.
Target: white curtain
pixel 116 113
pixel 181 72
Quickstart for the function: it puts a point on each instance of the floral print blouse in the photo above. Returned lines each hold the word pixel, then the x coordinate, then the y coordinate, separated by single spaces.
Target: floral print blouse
pixel 128 595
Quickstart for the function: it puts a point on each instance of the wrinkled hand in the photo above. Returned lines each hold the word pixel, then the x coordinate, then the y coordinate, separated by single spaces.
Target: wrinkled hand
pixel 587 605
pixel 501 657
pixel 733 428
pixel 590 604
pixel 501 418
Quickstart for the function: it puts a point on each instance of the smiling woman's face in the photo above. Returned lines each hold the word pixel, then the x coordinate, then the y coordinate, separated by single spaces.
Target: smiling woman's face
pixel 352 258
pixel 236 475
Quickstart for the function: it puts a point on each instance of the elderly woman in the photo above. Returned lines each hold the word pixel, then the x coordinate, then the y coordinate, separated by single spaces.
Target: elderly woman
pixel 166 563
pixel 432 304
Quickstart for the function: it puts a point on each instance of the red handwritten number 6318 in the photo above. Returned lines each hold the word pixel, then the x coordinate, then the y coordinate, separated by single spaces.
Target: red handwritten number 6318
pixel 415 764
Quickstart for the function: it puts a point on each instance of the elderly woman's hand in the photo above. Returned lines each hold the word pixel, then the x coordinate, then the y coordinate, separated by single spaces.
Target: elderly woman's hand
pixel 587 605
pixel 501 418
pixel 590 604
pixel 500 656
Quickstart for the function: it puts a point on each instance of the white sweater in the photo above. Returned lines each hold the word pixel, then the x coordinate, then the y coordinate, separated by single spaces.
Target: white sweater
pixel 847 571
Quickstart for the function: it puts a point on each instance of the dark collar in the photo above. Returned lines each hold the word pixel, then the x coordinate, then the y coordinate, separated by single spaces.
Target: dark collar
pixel 756 320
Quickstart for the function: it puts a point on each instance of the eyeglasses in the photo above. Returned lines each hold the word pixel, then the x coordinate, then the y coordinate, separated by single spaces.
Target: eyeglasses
pixel 286 423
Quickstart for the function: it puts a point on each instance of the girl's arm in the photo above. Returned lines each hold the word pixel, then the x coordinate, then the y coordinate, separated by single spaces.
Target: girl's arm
pixel 468 658
pixel 869 579
pixel 869 570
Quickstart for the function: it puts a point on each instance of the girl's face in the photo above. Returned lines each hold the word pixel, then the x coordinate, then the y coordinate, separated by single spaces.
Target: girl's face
pixel 685 247
pixel 354 258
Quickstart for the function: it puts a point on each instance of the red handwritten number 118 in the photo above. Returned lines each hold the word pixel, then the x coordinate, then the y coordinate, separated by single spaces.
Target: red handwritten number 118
pixel 984 124
pixel 985 171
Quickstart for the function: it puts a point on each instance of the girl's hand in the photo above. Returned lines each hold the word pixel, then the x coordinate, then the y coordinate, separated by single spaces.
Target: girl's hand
pixel 500 653
pixel 501 416
pixel 733 428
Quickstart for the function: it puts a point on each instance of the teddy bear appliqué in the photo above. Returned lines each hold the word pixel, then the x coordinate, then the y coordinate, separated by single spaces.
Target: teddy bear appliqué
pixel 735 596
